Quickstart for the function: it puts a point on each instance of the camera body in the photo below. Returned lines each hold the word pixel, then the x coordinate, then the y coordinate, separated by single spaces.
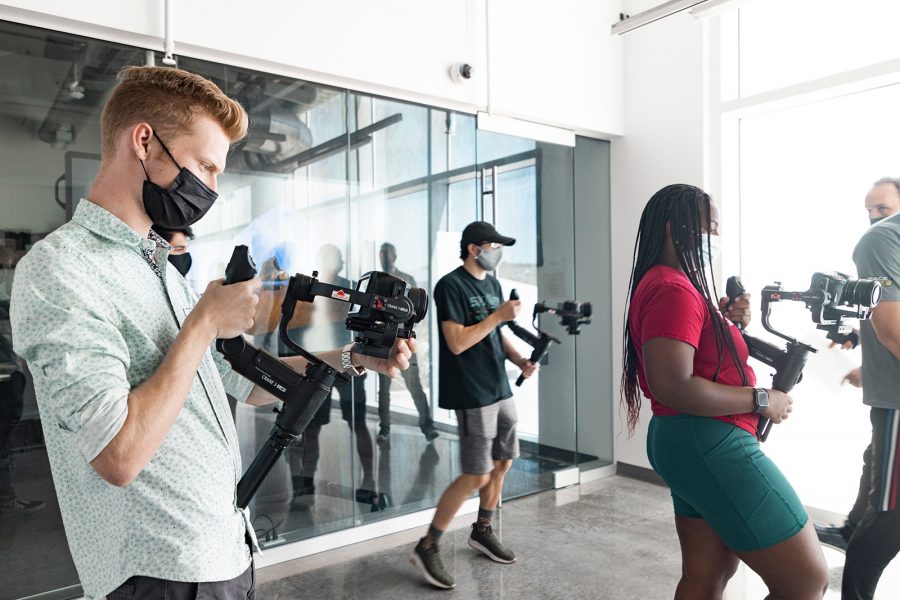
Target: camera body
pixel 829 291
pixel 572 314
pixel 394 309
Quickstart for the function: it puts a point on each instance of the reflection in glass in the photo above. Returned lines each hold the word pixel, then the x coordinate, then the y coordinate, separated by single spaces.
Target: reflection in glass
pixel 52 88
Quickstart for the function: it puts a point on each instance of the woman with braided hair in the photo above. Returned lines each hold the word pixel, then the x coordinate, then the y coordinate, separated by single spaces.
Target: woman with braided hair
pixel 684 352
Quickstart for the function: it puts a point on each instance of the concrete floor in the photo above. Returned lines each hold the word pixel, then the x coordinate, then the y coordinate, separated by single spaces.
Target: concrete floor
pixel 579 542
pixel 609 539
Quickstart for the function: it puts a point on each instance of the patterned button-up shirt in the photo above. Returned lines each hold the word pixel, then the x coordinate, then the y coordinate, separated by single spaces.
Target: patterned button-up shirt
pixel 94 321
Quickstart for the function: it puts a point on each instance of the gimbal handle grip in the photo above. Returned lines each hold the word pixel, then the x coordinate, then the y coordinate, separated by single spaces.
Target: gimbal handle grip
pixel 514 295
pixel 734 287
pixel 241 266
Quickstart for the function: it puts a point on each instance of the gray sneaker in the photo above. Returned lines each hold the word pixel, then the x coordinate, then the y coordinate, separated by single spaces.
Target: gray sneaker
pixel 428 562
pixel 487 543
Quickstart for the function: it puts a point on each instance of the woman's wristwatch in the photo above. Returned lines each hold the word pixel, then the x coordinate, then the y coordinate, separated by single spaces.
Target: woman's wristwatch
pixel 347 362
pixel 760 399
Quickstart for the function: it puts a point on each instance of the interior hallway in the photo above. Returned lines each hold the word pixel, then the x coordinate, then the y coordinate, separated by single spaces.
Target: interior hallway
pixel 612 539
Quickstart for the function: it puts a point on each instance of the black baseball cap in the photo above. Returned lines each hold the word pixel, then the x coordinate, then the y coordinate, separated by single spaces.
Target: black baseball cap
pixel 479 232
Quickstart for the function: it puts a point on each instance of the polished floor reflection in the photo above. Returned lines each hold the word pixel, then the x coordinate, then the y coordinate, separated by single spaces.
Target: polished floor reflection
pixel 590 541
pixel 352 485
pixel 33 545
pixel 612 539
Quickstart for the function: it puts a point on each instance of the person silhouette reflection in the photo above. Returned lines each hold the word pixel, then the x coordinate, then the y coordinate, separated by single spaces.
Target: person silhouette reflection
pixel 327 330
pixel 411 377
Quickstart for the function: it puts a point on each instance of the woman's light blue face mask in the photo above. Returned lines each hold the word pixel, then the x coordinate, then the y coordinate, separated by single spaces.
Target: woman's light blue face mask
pixel 710 254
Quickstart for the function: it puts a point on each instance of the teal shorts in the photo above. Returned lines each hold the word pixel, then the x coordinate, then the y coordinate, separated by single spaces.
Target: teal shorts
pixel 717 472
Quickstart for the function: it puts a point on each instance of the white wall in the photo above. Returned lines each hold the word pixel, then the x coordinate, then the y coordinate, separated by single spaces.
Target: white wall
pixel 664 144
pixel 551 63
pixel 557 63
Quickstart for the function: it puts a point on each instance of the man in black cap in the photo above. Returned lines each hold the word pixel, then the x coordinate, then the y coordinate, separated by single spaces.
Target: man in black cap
pixel 473 382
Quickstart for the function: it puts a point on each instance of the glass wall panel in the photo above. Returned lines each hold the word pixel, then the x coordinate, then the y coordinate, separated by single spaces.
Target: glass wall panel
pixel 292 174
pixel 327 181
pixel 518 174
pixel 51 90
pixel 389 226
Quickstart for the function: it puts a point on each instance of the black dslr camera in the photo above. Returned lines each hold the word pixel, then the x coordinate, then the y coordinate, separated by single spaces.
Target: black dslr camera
pixel 396 308
pixel 828 291
pixel 572 314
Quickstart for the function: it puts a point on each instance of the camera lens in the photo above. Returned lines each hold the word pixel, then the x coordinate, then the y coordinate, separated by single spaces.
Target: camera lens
pixel 419 299
pixel 586 309
pixel 864 292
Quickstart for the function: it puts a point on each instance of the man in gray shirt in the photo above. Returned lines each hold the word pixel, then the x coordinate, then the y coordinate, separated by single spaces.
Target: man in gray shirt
pixel 876 540
pixel 882 201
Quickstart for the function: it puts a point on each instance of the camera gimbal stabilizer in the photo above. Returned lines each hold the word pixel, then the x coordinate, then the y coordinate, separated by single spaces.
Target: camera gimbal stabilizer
pixel 827 291
pixel 572 315
pixel 540 342
pixel 301 395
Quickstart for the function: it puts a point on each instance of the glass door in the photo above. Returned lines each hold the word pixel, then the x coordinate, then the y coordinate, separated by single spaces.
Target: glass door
pixel 526 190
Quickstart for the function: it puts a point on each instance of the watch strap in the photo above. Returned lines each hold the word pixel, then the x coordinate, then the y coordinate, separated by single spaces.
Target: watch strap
pixel 347 362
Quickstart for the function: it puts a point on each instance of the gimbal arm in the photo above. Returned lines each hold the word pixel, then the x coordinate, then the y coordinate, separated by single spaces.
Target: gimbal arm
pixel 303 288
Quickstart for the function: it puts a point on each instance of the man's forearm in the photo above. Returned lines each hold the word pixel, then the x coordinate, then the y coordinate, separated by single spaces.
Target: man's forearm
pixel 466 337
pixel 154 406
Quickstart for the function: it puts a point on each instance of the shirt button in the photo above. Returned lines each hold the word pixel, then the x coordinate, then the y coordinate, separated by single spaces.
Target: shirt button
pixel 148 244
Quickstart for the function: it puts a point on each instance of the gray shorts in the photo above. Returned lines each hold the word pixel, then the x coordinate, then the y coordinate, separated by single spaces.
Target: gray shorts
pixel 487 434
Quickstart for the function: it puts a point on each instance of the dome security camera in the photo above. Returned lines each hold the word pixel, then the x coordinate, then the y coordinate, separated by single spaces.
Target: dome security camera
pixel 461 72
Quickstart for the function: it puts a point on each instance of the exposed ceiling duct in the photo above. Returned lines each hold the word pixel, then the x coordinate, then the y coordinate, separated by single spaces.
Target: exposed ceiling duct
pixel 55 84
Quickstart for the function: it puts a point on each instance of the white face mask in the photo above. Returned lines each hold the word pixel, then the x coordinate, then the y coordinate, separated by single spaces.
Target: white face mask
pixel 710 255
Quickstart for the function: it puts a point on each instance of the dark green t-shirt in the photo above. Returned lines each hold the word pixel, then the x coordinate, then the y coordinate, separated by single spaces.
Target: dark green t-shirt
pixel 476 377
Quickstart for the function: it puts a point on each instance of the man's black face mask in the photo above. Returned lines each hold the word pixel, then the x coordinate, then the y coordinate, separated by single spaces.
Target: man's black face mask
pixel 180 206
pixel 182 262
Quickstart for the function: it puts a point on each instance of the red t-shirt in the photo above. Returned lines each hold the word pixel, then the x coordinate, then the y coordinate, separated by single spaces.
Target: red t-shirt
pixel 665 304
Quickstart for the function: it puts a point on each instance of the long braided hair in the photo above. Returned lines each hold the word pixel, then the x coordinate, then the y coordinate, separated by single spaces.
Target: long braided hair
pixel 680 206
